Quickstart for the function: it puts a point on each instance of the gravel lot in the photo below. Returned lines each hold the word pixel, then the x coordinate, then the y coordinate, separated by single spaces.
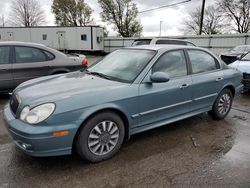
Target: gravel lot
pixel 195 152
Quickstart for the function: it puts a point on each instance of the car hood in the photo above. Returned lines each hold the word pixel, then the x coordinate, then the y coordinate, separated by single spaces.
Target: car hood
pixel 54 88
pixel 243 66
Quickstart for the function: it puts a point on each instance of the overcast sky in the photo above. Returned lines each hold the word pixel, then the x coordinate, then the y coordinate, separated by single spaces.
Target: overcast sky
pixel 172 17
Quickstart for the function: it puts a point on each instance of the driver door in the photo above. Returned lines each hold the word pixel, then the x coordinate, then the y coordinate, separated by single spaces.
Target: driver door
pixel 162 101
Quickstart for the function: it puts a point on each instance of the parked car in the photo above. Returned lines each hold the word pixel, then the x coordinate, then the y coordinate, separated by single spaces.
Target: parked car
pixel 243 65
pixel 129 91
pixel 21 61
pixel 165 41
pixel 235 53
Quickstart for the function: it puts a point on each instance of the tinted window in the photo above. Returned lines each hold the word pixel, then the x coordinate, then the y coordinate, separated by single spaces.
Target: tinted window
pixel 29 55
pixel 201 61
pixel 173 63
pixel 170 42
pixel 49 55
pixel 84 37
pixel 246 57
pixel 4 55
pixel 44 37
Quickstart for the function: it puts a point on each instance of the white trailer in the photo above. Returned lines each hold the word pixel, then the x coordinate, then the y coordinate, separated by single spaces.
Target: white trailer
pixel 87 38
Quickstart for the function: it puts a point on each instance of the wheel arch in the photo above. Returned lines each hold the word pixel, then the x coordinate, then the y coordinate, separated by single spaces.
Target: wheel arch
pixel 231 88
pixel 117 111
pixel 59 71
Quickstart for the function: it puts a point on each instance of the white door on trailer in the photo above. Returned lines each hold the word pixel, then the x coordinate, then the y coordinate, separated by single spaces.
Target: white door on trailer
pixel 61 40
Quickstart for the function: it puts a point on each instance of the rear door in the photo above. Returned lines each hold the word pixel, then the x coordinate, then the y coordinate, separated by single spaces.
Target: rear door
pixel 207 78
pixel 29 63
pixel 6 80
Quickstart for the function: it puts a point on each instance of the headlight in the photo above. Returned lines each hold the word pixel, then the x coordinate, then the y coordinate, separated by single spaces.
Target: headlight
pixel 37 114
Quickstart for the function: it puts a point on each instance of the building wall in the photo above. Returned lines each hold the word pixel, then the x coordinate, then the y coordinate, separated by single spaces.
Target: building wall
pixel 215 43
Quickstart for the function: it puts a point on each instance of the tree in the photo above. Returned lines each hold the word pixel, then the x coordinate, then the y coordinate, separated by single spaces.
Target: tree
pixel 71 12
pixel 122 15
pixel 212 22
pixel 26 13
pixel 237 12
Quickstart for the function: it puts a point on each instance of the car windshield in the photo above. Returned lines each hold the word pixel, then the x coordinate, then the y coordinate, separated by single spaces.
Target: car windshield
pixel 240 49
pixel 123 65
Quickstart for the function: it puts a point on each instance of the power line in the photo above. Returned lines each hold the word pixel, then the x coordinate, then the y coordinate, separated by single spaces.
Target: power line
pixel 165 6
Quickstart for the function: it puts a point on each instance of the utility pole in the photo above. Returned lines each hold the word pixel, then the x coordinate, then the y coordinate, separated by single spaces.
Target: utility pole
pixel 160 27
pixel 202 15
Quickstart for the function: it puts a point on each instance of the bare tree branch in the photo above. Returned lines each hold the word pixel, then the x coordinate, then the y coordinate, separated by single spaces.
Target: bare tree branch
pixel 26 13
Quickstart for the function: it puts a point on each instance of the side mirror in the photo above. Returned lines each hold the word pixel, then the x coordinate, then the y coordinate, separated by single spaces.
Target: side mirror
pixel 159 77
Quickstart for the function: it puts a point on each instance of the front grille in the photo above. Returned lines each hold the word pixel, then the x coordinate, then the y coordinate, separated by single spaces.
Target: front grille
pixel 14 104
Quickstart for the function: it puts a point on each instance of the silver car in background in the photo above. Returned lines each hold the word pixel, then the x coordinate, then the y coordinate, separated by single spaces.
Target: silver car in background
pixel 21 61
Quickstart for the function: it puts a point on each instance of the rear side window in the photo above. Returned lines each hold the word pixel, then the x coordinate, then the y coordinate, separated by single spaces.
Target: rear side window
pixel 173 63
pixel 49 55
pixel 4 54
pixel 29 55
pixel 170 42
pixel 201 61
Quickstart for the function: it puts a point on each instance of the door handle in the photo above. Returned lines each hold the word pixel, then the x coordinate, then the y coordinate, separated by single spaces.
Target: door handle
pixel 219 79
pixel 183 86
pixel 3 69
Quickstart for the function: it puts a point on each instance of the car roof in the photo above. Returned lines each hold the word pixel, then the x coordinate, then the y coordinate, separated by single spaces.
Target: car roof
pixel 21 43
pixel 163 47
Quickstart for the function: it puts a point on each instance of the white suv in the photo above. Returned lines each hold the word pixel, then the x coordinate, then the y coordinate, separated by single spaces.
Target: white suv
pixel 154 41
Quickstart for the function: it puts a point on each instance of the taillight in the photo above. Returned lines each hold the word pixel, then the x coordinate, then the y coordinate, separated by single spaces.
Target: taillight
pixel 85 62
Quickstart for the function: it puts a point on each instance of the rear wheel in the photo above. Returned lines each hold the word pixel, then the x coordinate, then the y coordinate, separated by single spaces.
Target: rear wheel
pixel 101 137
pixel 222 105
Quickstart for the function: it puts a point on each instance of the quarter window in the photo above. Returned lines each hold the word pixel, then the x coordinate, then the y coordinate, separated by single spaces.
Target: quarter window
pixel 201 61
pixel 173 63
pixel 49 55
pixel 4 54
pixel 246 57
pixel 29 55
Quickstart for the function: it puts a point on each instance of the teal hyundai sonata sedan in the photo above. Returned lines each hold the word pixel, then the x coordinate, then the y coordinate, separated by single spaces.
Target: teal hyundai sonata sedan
pixel 129 91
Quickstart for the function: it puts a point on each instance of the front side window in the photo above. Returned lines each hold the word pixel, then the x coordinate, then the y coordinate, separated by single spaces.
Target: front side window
pixel 4 54
pixel 201 61
pixel 123 65
pixel 29 55
pixel 173 63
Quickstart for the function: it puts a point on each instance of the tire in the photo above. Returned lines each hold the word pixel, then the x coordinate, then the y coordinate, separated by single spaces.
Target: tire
pixel 222 105
pixel 101 137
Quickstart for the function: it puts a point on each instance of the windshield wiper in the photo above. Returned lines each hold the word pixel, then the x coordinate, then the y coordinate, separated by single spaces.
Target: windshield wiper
pixel 98 74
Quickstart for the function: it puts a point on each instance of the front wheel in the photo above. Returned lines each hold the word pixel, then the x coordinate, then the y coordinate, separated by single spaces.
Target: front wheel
pixel 101 137
pixel 222 105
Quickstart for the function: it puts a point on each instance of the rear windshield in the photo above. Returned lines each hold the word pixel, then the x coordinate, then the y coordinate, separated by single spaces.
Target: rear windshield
pixel 171 42
pixel 141 42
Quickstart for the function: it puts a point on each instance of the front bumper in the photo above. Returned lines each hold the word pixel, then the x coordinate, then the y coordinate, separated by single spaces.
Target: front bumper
pixel 37 140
